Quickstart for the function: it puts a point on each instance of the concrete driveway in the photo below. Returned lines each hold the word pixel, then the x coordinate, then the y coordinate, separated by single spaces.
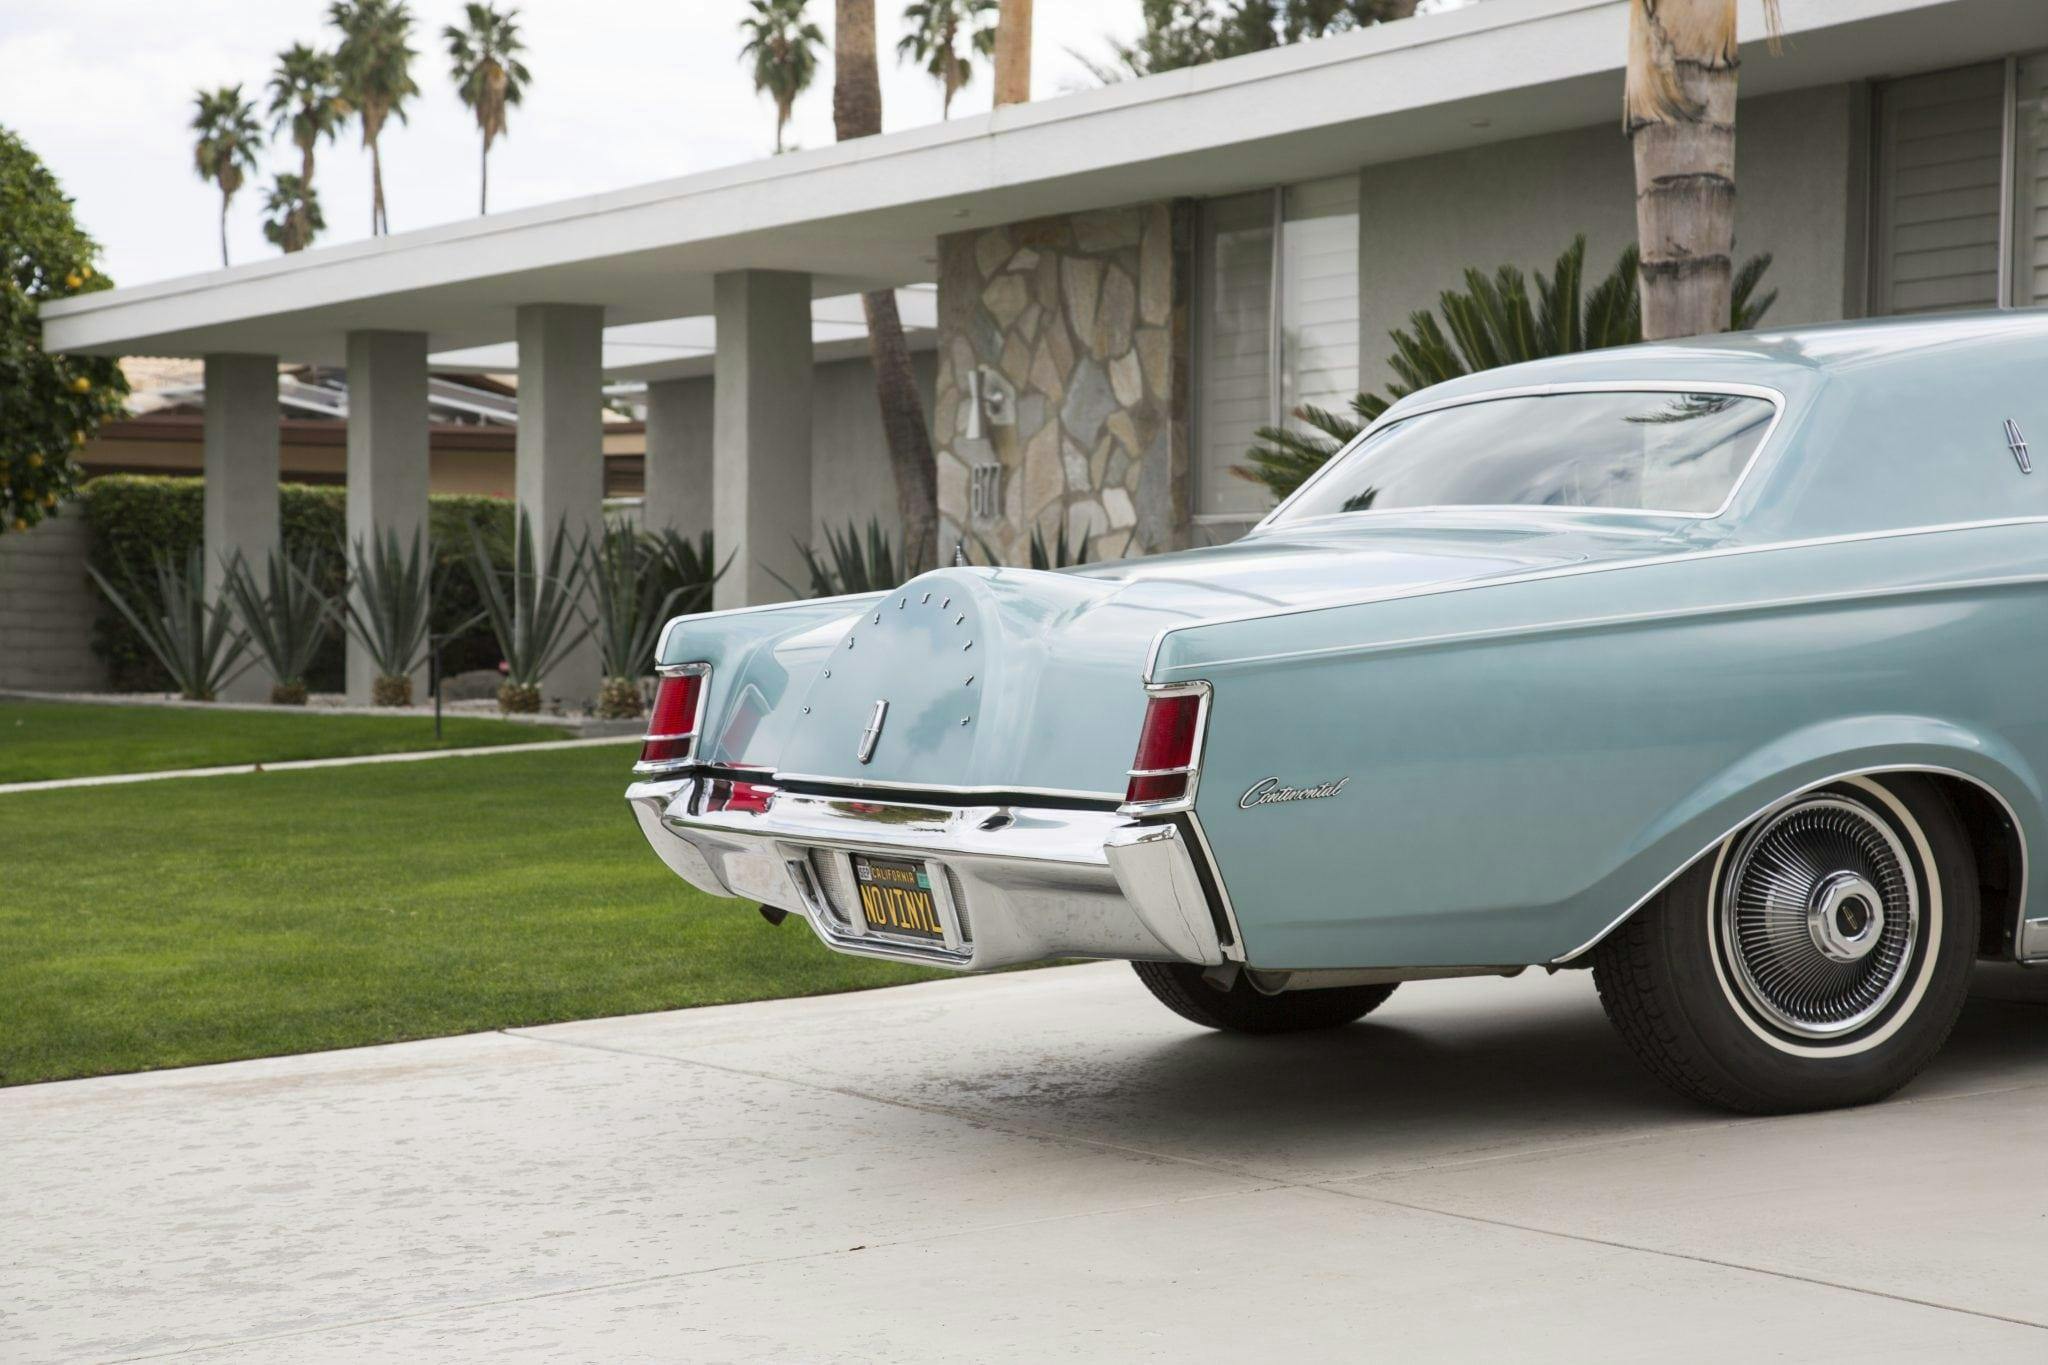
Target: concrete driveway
pixel 1043 1165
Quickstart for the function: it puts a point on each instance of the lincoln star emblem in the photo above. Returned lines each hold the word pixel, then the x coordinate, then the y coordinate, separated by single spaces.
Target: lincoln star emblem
pixel 1270 791
pixel 873 734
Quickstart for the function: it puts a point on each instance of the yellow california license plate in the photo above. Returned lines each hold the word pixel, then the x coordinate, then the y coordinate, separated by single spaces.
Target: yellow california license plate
pixel 896 898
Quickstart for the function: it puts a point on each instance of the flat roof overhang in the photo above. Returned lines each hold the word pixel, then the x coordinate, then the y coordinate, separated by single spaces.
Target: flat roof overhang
pixel 866 214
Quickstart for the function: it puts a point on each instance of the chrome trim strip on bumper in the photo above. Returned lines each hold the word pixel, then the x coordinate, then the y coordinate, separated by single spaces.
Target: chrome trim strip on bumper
pixel 1014 884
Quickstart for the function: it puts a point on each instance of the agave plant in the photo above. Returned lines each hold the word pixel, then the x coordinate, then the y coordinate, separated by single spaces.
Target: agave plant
pixel 851 564
pixel 633 597
pixel 387 611
pixel 535 607
pixel 1493 322
pixel 195 638
pixel 689 566
pixel 287 616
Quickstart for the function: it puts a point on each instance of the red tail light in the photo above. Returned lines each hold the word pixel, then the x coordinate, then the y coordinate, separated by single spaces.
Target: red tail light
pixel 1165 766
pixel 672 729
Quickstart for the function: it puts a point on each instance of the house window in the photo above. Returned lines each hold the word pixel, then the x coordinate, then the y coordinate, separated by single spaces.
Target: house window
pixel 1276 328
pixel 1961 189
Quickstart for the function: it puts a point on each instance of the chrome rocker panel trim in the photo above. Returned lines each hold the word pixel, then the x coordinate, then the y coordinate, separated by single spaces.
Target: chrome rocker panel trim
pixel 1026 883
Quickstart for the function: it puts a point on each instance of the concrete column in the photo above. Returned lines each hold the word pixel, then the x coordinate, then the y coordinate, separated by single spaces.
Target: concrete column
pixel 679 422
pixel 240 464
pixel 761 432
pixel 387 459
pixel 559 467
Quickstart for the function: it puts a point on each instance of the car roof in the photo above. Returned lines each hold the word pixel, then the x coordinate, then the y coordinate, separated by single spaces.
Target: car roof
pixel 1789 359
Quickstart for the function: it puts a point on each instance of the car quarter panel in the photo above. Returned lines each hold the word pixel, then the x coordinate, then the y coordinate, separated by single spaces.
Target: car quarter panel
pixel 1521 763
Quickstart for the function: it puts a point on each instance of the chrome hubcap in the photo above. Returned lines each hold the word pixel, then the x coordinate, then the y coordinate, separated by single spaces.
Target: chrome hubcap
pixel 1845 918
pixel 1819 915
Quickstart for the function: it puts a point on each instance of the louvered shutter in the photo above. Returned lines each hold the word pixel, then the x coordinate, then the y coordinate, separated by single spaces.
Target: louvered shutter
pixel 1940 148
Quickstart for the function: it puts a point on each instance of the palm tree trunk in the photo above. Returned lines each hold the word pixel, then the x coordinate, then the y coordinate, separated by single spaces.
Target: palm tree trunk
pixel 483 193
pixel 946 101
pixel 856 83
pixel 223 231
pixel 1013 52
pixel 377 223
pixel 782 111
pixel 1681 121
pixel 857 112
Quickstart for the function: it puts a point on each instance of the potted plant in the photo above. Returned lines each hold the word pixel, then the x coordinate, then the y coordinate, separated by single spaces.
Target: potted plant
pixel 192 636
pixel 287 616
pixel 387 612
pixel 534 608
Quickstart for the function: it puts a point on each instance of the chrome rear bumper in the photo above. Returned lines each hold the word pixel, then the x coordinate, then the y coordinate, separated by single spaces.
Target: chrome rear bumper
pixel 1019 883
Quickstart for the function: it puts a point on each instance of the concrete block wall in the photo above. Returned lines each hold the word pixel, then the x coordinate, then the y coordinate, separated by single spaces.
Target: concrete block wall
pixel 47 606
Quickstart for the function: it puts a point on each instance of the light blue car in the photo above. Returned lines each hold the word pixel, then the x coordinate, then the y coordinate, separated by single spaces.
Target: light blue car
pixel 1719 667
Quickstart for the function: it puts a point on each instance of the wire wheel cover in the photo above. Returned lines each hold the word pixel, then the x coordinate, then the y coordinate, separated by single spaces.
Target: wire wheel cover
pixel 1819 916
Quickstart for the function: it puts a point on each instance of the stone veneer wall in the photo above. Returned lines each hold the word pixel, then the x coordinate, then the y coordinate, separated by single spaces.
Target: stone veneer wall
pixel 1078 327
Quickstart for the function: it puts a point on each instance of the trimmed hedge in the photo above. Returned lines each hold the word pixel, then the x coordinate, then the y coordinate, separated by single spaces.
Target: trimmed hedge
pixel 134 516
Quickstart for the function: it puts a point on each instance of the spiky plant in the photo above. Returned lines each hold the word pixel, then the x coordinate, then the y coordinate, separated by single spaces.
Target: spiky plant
pixel 534 607
pixel 1492 322
pixel 632 597
pixel 287 616
pixel 852 564
pixel 689 566
pixel 193 636
pixel 387 611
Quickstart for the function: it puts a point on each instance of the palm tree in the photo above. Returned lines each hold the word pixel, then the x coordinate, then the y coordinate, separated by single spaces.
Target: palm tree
pixel 783 45
pixel 1013 53
pixel 291 213
pixel 305 97
pixel 936 30
pixel 857 112
pixel 1679 111
pixel 488 75
pixel 225 152
pixel 375 64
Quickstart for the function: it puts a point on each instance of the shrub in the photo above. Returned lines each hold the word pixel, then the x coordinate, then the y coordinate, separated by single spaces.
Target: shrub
pixel 132 516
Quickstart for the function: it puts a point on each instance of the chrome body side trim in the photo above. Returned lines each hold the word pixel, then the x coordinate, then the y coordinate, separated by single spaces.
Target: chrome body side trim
pixel 1033 882
pixel 2030 937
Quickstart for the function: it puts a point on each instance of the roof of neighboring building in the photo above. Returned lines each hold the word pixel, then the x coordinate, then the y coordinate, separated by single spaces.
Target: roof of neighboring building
pixel 866 214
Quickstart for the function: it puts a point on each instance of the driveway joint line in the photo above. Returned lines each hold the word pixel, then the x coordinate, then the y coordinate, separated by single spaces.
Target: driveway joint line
pixel 1698 1259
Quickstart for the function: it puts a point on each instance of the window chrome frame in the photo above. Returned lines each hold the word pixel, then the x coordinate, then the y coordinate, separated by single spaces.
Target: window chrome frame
pixel 1402 413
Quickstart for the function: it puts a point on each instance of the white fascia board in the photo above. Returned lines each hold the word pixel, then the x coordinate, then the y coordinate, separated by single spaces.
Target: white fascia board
pixel 1504 69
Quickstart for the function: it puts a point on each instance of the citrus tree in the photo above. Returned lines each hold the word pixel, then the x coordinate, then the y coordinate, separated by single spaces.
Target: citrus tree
pixel 49 404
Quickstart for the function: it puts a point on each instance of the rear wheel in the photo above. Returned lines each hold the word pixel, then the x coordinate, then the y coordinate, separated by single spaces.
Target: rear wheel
pixel 1242 1009
pixel 1817 958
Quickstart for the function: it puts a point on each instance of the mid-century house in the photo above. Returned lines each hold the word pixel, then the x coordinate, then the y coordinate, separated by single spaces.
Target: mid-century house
pixel 1128 280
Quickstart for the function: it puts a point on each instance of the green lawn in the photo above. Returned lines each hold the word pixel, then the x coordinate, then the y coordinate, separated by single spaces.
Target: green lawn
pixel 42 740
pixel 204 919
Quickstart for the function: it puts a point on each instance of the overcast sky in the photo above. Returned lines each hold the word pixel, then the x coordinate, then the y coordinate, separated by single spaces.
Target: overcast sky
pixel 624 91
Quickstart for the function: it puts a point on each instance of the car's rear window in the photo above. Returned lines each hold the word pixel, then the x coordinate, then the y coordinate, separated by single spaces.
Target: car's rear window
pixel 1649 452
